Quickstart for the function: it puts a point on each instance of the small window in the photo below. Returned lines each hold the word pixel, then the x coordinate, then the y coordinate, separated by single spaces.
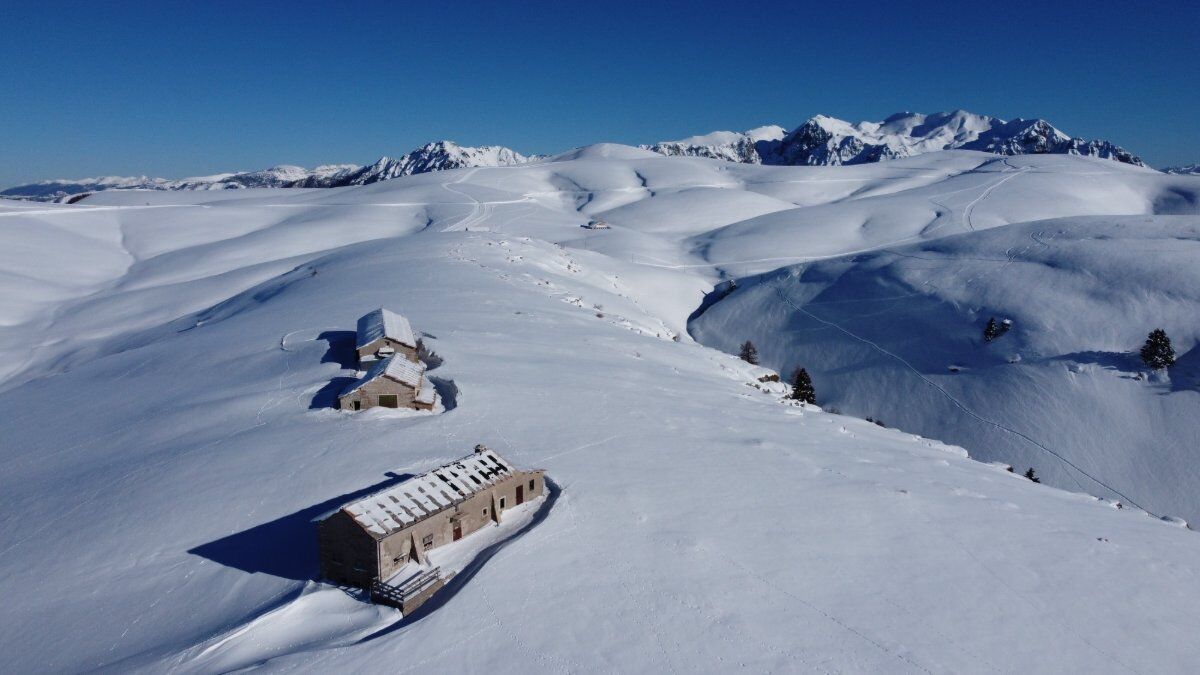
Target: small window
pixel 427 542
pixel 485 510
pixel 358 405
pixel 502 502
pixel 530 484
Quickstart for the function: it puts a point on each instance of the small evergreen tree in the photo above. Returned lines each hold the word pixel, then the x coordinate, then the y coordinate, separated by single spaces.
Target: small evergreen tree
pixel 1158 352
pixel 802 387
pixel 1032 475
pixel 995 329
pixel 749 353
pixel 991 331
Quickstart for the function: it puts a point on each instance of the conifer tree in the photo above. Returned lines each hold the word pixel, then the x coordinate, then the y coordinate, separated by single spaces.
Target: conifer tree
pixel 802 387
pixel 1158 352
pixel 992 331
pixel 1032 475
pixel 749 353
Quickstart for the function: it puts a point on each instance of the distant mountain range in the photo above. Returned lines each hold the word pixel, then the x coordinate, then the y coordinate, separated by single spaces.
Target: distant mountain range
pixel 1188 170
pixel 825 140
pixel 819 141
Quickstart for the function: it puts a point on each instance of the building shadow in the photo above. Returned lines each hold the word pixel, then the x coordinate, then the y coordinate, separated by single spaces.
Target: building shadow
pixel 341 348
pixel 285 547
pixel 458 581
pixel 327 396
pixel 447 391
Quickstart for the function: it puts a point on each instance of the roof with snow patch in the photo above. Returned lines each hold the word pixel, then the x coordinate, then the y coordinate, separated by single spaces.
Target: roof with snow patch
pixel 421 496
pixel 384 323
pixel 395 368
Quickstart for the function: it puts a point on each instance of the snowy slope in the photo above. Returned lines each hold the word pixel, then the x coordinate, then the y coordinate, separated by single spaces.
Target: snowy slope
pixel 168 356
pixel 1060 391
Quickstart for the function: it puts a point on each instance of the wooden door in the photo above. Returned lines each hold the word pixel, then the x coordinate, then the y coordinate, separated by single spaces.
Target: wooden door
pixel 520 494
pixel 457 530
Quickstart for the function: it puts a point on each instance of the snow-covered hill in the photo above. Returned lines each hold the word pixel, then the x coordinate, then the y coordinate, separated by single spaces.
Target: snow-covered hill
pixel 823 141
pixel 169 357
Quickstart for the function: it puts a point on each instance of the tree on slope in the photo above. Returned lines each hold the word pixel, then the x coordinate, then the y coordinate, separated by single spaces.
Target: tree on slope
pixel 995 329
pixel 1158 352
pixel 1032 475
pixel 749 353
pixel 802 387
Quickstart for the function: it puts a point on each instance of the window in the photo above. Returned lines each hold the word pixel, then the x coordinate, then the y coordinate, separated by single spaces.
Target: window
pixel 502 502
pixel 485 510
pixel 389 401
pixel 531 484
pixel 358 405
pixel 427 542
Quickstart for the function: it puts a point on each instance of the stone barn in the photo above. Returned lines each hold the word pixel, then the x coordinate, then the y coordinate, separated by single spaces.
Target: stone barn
pixel 371 539
pixel 383 333
pixel 394 382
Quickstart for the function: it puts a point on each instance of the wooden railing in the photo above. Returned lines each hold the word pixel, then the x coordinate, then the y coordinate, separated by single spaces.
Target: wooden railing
pixel 381 591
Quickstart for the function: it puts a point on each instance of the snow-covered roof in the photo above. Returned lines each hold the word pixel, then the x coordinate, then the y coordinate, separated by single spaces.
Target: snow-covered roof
pixel 418 497
pixel 426 394
pixel 395 368
pixel 383 323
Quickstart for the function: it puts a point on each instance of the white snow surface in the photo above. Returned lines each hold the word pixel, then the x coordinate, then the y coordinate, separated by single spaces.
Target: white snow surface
pixel 168 360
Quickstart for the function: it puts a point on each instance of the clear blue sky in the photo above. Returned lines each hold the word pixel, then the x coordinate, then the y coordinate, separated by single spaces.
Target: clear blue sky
pixel 183 88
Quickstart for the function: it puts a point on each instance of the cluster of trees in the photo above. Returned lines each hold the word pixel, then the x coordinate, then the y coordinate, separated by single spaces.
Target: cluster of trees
pixel 1156 353
pixel 802 386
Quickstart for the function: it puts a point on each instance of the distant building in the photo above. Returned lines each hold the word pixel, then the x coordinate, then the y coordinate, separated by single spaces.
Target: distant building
pixel 371 539
pixel 393 382
pixel 597 225
pixel 383 333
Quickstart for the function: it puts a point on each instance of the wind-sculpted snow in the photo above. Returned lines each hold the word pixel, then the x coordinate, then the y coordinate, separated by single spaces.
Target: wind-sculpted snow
pixel 167 439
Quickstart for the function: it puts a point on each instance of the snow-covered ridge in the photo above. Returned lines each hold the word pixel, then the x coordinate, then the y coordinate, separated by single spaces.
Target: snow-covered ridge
pixel 826 140
pixel 437 156
pixel 1185 170
pixel 821 140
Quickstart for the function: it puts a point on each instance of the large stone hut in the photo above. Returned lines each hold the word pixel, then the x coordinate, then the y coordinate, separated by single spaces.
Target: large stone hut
pixel 383 333
pixel 394 382
pixel 373 538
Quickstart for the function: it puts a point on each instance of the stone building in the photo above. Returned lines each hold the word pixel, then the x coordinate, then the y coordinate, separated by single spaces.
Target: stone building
pixel 372 538
pixel 383 333
pixel 393 382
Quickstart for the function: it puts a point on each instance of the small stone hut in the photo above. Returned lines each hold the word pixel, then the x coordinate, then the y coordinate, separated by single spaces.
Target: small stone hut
pixel 383 333
pixel 374 537
pixel 394 382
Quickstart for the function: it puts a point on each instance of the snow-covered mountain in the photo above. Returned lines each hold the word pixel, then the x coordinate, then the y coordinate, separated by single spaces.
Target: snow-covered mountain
pixel 168 358
pixel 727 145
pixel 437 156
pixel 823 141
pixel 820 141
pixel 1185 170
